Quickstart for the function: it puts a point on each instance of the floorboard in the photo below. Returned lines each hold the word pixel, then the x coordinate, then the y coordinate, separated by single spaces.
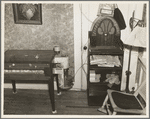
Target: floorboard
pixel 37 102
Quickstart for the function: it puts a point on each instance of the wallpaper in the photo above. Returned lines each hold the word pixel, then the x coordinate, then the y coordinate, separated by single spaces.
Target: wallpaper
pixel 56 29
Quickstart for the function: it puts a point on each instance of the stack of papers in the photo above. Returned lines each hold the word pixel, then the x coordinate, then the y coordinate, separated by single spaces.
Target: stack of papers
pixel 94 77
pixel 105 60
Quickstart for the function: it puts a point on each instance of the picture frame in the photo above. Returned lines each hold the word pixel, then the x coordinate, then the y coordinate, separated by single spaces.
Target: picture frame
pixel 27 13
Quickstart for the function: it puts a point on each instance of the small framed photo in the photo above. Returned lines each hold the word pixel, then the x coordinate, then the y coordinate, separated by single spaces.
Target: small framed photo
pixel 27 13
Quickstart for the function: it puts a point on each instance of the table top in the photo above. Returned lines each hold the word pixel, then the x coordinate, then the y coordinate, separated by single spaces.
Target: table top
pixel 29 56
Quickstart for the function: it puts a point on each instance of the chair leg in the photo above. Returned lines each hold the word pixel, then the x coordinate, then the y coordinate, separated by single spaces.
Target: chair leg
pixel 114 113
pixel 108 110
pixel 14 86
pixel 105 101
pixel 102 108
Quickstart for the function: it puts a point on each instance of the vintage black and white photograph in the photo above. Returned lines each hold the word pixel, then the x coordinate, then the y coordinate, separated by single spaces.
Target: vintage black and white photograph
pixel 68 59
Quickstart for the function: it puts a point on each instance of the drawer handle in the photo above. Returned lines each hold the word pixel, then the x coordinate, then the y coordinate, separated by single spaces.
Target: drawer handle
pixel 13 64
pixel 37 56
pixel 30 65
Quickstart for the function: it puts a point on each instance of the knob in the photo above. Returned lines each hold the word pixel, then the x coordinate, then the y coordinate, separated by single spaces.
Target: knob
pixel 85 47
pixel 13 64
pixel 30 65
pixel 37 56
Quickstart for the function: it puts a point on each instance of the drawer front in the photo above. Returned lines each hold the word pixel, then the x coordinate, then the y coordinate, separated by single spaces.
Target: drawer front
pixel 25 77
pixel 25 66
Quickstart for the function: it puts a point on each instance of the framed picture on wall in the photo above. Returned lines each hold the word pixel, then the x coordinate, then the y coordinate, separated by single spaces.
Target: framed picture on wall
pixel 27 13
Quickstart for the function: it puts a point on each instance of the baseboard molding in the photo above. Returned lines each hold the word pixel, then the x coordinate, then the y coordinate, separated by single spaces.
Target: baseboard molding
pixel 34 86
pixel 29 86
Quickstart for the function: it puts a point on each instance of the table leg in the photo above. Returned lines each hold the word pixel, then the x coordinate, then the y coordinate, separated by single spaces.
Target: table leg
pixel 14 86
pixel 51 93
pixel 58 89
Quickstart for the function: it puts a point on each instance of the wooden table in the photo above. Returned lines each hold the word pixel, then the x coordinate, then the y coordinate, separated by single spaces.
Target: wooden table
pixel 30 66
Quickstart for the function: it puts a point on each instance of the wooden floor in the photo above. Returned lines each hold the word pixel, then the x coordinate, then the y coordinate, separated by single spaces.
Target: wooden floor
pixel 37 102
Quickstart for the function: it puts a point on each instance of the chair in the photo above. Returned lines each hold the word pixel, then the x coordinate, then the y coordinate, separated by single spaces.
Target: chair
pixel 121 102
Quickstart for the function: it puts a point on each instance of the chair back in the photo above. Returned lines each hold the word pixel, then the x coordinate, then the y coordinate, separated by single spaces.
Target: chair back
pixel 141 93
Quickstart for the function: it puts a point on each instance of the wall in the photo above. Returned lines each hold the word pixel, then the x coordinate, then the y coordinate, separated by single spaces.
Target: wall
pixel 57 29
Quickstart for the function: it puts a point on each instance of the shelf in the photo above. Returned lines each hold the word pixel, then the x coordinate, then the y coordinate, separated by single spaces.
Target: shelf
pixel 96 100
pixel 97 88
pixel 97 91
pixel 98 83
pixel 105 50
pixel 105 69
pixel 102 87
pixel 96 66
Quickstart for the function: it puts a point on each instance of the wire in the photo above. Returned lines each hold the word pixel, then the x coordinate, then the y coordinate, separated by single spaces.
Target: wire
pixel 84 45
pixel 81 44
pixel 80 68
pixel 84 15
pixel 83 65
pixel 87 19
pixel 76 73
pixel 81 20
pixel 80 7
pixel 84 71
